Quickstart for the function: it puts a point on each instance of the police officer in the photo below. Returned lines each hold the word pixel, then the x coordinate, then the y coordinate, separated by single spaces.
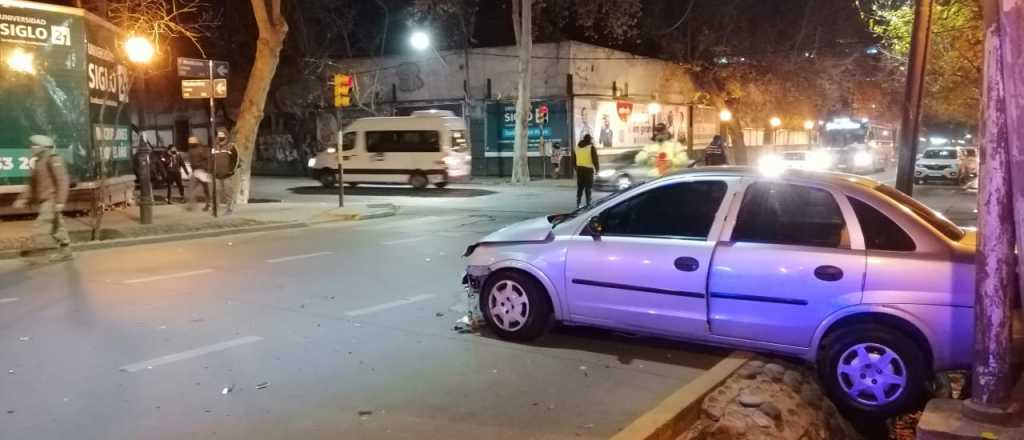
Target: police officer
pixel 586 166
pixel 48 190
pixel 714 153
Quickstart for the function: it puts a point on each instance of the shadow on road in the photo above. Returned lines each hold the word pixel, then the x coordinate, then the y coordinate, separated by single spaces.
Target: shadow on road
pixel 396 191
pixel 627 348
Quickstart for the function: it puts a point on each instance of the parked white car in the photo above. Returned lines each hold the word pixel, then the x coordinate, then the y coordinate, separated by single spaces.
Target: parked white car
pixel 869 284
pixel 426 148
pixel 943 163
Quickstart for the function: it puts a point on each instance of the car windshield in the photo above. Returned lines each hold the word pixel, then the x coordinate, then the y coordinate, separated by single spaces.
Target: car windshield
pixel 940 154
pixel 946 227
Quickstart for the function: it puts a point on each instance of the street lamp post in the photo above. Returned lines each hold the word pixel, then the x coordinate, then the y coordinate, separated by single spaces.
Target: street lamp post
pixel 725 116
pixel 140 52
pixel 654 108
pixel 420 41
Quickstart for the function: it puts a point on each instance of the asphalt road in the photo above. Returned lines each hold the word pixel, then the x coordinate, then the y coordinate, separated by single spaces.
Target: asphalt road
pixel 337 331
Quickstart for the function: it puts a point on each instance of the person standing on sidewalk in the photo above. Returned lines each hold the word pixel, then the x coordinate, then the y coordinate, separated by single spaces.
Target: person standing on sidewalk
pixel 199 159
pixel 714 154
pixel 48 190
pixel 174 168
pixel 586 166
pixel 225 165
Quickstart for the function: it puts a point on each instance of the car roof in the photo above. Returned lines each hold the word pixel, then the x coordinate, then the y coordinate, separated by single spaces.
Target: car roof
pixel 840 180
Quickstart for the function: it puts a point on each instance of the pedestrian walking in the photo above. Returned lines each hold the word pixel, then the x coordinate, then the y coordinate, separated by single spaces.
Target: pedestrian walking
pixel 225 164
pixel 199 160
pixel 174 167
pixel 47 190
pixel 714 153
pixel 586 166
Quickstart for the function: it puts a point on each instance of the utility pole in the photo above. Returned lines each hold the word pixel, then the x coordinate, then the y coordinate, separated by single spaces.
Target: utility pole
pixel 145 176
pixel 213 138
pixel 910 124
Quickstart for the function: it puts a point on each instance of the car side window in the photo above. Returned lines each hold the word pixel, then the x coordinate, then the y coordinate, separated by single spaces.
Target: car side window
pixel 677 210
pixel 782 213
pixel 880 232
pixel 348 141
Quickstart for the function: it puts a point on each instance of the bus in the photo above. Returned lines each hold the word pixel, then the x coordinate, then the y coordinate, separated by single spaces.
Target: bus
pixel 859 146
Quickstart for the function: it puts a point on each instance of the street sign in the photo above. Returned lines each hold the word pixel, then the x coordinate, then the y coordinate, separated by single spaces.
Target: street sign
pixel 220 88
pixel 199 68
pixel 197 88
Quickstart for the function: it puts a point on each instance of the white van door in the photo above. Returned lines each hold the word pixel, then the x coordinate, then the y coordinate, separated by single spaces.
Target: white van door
pixel 395 155
pixel 355 157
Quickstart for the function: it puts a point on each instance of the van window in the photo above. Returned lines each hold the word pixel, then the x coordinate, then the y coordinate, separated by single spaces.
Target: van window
pixel 348 141
pixel 405 141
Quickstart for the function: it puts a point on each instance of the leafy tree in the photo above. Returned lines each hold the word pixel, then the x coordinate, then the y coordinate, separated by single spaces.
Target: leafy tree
pixel 953 75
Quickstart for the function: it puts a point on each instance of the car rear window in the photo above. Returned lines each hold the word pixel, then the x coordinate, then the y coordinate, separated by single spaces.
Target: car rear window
pixel 944 226
pixel 880 232
pixel 782 213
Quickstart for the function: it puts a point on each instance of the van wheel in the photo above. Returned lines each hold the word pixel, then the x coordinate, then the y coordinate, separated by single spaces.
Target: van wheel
pixel 873 369
pixel 328 180
pixel 418 181
pixel 441 184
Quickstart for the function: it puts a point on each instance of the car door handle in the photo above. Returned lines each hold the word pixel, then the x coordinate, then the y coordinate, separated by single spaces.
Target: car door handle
pixel 687 264
pixel 828 273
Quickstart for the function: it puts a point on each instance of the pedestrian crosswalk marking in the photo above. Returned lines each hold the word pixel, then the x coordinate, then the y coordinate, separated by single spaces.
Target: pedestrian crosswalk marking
pixel 168 276
pixel 145 365
pixel 388 305
pixel 409 222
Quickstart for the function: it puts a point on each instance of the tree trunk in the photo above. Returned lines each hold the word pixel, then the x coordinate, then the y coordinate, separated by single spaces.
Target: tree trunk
pixel 992 375
pixel 272 31
pixel 1012 32
pixel 520 158
pixel 739 145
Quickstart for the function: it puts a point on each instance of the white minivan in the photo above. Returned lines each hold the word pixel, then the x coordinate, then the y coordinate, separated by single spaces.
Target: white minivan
pixel 428 147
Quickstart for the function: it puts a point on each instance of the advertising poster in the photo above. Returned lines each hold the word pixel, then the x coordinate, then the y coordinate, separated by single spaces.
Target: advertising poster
pixel 624 125
pixel 501 127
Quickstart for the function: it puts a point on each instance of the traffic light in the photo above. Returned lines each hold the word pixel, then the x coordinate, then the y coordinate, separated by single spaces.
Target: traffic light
pixel 342 90
pixel 542 114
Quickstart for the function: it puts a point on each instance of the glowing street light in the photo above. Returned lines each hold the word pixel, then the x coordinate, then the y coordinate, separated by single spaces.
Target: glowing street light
pixel 139 49
pixel 775 121
pixel 20 61
pixel 808 125
pixel 654 108
pixel 419 40
pixel 725 115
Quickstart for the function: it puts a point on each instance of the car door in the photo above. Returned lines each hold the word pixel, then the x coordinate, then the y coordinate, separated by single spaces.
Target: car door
pixel 648 268
pixel 794 256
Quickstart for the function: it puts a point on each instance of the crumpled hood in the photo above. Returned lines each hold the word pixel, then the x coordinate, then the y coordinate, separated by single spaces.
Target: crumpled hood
pixel 538 229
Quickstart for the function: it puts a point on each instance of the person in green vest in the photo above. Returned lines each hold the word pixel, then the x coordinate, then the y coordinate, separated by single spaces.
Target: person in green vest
pixel 48 190
pixel 586 166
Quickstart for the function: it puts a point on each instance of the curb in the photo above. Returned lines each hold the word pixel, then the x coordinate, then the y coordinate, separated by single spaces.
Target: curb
pixel 678 411
pixel 124 242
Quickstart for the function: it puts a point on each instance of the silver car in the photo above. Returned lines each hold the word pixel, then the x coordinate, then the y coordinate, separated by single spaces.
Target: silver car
pixel 873 287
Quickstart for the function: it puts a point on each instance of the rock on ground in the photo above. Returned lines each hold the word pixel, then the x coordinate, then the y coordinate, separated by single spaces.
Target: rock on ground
pixel 775 400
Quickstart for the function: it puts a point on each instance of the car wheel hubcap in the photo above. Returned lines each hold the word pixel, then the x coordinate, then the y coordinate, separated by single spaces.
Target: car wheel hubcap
pixel 623 183
pixel 509 305
pixel 872 374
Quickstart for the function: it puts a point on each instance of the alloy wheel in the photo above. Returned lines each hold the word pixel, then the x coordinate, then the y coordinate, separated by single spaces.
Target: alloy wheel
pixel 509 306
pixel 872 374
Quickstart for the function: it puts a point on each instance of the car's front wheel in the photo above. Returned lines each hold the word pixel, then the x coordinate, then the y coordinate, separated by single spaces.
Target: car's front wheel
pixel 515 306
pixel 873 369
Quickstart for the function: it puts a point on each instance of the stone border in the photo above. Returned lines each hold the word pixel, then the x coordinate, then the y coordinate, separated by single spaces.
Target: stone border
pixel 672 416
pixel 135 241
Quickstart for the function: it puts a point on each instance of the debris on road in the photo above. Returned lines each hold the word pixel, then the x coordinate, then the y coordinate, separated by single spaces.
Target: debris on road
pixel 23 339
pixel 439 314
pixel 197 319
pixel 463 325
pixel 10 411
pixel 227 389
pixel 262 385
pixel 10 371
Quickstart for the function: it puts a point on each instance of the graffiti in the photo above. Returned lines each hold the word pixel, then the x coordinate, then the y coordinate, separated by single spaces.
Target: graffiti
pixel 409 77
pixel 277 148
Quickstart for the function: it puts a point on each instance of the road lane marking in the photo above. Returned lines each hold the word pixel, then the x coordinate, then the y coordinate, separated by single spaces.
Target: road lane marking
pixel 7 300
pixel 389 305
pixel 406 240
pixel 168 276
pixel 145 365
pixel 297 257
pixel 403 223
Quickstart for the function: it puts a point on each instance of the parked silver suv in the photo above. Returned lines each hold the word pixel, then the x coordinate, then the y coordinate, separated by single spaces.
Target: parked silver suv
pixel 872 286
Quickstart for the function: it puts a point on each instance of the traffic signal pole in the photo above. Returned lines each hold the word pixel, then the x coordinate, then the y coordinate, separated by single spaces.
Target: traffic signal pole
pixel 342 98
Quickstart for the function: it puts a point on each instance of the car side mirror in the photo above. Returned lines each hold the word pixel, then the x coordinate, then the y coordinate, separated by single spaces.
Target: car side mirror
pixel 595 226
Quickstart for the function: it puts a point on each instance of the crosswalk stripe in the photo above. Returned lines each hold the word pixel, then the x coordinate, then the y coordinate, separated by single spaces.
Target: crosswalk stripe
pixel 403 223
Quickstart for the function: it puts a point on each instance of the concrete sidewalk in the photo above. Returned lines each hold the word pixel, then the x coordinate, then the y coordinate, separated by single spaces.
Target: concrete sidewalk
pixel 172 222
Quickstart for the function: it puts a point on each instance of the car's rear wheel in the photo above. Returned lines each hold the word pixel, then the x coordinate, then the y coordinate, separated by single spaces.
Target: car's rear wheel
pixel 873 369
pixel 623 182
pixel 515 306
pixel 418 181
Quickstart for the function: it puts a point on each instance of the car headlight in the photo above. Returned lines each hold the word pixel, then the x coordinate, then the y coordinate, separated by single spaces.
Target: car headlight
pixel 818 161
pixel 606 173
pixel 311 163
pixel 862 159
pixel 771 165
pixel 332 150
